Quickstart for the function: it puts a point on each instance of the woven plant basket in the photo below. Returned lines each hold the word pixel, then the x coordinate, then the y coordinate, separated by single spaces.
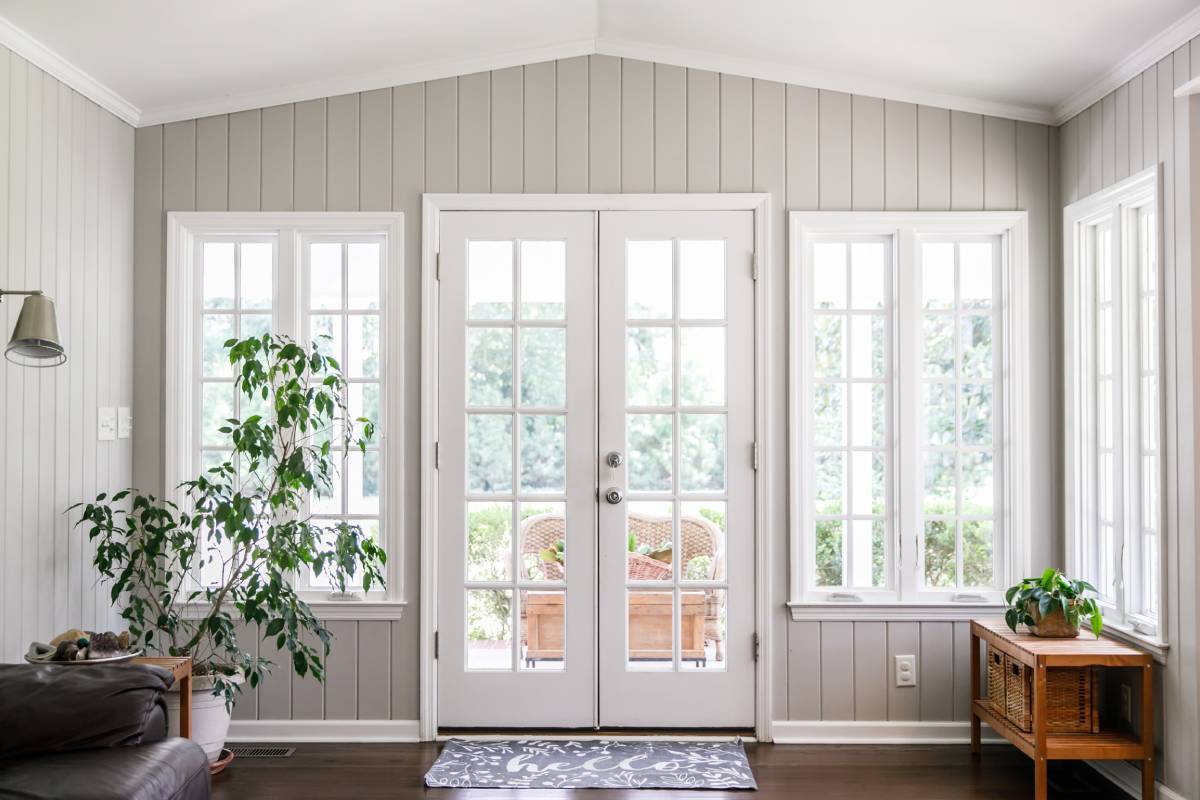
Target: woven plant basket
pixel 645 568
pixel 1071 698
pixel 995 680
pixel 1053 626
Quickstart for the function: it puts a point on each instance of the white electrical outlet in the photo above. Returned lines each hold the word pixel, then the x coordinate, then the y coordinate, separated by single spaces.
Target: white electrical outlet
pixel 906 670
pixel 1126 702
pixel 124 422
pixel 106 424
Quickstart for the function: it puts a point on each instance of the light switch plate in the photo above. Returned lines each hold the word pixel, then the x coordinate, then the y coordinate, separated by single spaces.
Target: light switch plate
pixel 124 422
pixel 906 670
pixel 106 424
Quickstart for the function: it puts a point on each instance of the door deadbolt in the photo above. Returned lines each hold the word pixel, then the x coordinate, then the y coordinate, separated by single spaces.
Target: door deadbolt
pixel 614 459
pixel 614 495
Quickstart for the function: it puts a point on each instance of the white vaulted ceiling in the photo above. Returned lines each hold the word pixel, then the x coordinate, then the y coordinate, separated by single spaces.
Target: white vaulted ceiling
pixel 158 60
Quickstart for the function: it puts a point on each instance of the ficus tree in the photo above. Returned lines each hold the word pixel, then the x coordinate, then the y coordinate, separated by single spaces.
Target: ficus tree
pixel 246 519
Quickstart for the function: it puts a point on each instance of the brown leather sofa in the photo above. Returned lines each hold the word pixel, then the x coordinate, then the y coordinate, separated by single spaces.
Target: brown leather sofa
pixel 96 732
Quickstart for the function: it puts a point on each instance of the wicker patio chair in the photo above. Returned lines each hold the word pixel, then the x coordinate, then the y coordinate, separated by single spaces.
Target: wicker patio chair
pixel 697 537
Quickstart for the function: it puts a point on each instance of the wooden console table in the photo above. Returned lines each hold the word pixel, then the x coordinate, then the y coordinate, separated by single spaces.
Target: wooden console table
pixel 1039 655
pixel 181 668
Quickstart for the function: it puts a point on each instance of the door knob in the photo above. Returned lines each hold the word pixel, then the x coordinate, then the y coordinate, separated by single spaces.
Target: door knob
pixel 614 495
pixel 614 459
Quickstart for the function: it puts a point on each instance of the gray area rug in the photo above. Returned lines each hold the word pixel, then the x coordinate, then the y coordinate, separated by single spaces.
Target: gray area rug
pixel 591 764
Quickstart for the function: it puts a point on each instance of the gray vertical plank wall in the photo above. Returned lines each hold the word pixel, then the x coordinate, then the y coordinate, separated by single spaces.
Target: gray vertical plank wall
pixel 1138 125
pixel 604 124
pixel 66 228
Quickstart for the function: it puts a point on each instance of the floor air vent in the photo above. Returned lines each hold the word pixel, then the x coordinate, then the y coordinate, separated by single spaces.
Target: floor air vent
pixel 259 751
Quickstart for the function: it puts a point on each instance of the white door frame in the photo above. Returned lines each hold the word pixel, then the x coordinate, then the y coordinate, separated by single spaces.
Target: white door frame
pixel 432 206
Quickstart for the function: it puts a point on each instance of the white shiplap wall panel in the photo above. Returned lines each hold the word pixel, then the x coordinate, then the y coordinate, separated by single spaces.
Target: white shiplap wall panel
pixel 607 124
pixel 66 227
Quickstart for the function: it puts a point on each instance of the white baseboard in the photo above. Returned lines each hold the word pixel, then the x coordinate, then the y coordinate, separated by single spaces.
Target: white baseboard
pixel 875 732
pixel 1129 779
pixel 324 730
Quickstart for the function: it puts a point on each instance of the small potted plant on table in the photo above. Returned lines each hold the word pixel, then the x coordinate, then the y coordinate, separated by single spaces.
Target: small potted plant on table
pixel 1052 606
pixel 248 518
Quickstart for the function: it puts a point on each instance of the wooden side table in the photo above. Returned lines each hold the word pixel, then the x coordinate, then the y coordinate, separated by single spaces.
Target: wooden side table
pixel 181 668
pixel 1039 655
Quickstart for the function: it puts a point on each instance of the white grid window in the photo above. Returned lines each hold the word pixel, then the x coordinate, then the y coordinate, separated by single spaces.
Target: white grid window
pixel 320 278
pixel 908 345
pixel 1114 302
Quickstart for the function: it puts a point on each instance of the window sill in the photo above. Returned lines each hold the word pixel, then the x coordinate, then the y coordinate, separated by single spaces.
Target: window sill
pixel 1127 635
pixel 892 612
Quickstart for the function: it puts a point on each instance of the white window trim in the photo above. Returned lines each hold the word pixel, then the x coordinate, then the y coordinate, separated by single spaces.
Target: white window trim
pixel 1139 189
pixel 183 230
pixel 906 601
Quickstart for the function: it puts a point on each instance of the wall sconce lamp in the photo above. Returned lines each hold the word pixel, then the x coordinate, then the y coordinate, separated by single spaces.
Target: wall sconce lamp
pixel 34 341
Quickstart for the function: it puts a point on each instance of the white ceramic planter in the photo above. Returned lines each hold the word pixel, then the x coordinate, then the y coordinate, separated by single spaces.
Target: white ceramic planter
pixel 210 719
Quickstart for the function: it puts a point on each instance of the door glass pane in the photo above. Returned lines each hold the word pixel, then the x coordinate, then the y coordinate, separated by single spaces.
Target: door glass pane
pixel 829 352
pixel 976 346
pixel 489 453
pixel 489 366
pixel 702 279
pixel 325 275
pixel 702 452
pixel 649 630
pixel 977 552
pixel 362 482
pixel 489 280
pixel 702 373
pixel 649 449
pixel 649 541
pixel 362 275
pixel 489 541
pixel 940 568
pixel 543 280
pixel 867 345
pixel 543 541
pixel 255 325
pixel 543 452
pixel 543 630
pixel 544 367
pixel 218 275
pixel 648 280
pixel 939 483
pixel 830 479
pixel 648 366
pixel 702 540
pixel 489 629
pixel 828 402
pixel 702 630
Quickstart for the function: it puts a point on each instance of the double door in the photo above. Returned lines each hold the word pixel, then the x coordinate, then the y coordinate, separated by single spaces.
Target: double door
pixel 595 470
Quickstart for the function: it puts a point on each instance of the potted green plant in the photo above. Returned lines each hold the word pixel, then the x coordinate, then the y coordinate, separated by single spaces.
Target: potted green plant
pixel 246 516
pixel 1052 606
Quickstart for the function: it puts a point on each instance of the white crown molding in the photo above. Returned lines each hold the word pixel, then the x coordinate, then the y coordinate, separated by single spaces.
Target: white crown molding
pixel 876 732
pixel 323 730
pixel 382 79
pixel 817 79
pixel 1146 56
pixel 42 57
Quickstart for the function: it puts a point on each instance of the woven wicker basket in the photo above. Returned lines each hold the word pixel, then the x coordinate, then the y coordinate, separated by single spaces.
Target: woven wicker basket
pixel 1070 698
pixel 645 568
pixel 995 680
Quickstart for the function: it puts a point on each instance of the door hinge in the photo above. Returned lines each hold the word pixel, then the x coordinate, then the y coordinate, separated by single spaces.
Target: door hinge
pixel 754 449
pixel 435 645
pixel 754 266
pixel 437 455
pixel 756 646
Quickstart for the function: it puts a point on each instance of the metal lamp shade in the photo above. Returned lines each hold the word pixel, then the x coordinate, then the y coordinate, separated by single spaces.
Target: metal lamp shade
pixel 35 341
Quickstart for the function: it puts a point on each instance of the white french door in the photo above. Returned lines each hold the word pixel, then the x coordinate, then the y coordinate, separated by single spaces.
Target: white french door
pixel 595 469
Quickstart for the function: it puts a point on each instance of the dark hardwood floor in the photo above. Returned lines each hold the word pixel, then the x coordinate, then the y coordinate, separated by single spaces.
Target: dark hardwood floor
pixel 792 771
